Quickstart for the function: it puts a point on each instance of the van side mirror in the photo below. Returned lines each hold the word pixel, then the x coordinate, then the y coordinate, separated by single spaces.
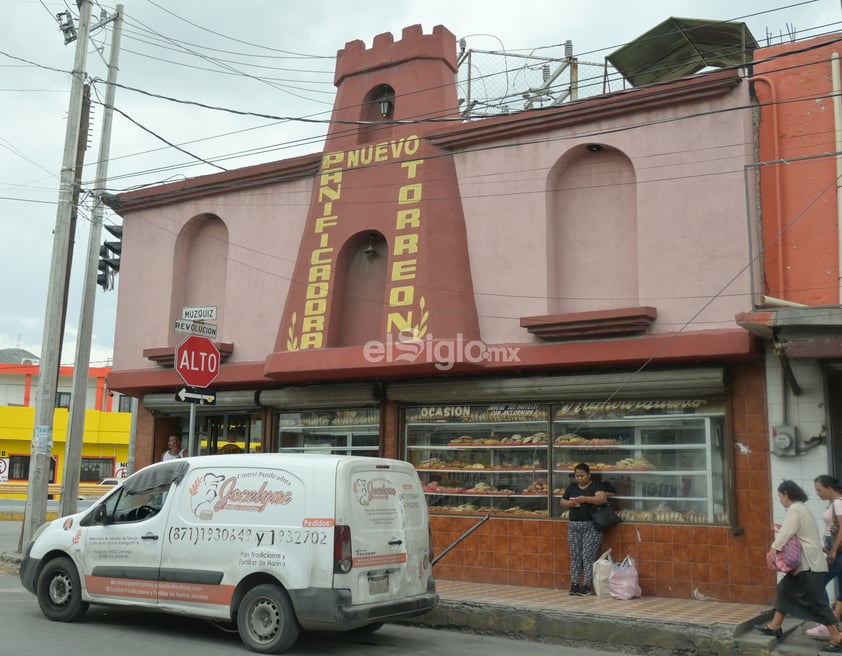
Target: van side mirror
pixel 101 514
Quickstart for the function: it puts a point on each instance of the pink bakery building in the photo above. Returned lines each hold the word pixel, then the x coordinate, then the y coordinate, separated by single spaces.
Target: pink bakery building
pixel 493 300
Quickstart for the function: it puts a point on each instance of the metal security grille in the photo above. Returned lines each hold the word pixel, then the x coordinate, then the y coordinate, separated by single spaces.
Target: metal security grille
pixel 492 83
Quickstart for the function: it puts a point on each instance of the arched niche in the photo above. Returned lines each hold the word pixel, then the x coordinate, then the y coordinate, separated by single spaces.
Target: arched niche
pixel 358 303
pixel 377 108
pixel 592 231
pixel 200 264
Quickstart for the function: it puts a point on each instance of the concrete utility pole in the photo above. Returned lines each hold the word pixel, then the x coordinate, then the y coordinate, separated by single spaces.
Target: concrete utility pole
pixel 78 399
pixel 35 510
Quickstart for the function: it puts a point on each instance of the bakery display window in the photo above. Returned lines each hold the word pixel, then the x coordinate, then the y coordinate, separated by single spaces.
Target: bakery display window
pixel 481 459
pixel 353 431
pixel 663 459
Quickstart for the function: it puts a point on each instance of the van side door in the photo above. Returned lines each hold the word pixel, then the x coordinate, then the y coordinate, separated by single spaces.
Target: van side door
pixel 122 546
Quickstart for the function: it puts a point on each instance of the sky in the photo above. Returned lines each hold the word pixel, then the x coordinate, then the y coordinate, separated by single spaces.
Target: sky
pixel 272 58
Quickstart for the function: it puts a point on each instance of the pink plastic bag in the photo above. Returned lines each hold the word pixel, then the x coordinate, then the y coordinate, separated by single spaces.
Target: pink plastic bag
pixel 624 581
pixel 787 559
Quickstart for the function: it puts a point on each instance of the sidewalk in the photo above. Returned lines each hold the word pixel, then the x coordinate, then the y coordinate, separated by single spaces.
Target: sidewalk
pixel 649 625
pixel 652 625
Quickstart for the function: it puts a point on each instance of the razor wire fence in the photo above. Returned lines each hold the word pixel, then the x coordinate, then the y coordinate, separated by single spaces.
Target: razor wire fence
pixel 492 83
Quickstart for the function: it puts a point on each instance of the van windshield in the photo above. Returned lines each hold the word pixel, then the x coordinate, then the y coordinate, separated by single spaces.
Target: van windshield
pixel 136 505
pixel 153 477
pixel 142 495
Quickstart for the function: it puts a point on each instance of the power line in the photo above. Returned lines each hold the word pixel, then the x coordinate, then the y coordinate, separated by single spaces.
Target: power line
pixel 315 139
pixel 263 78
pixel 28 200
pixel 199 159
pixel 165 43
pixel 613 130
pixel 163 139
pixel 228 36
pixel 221 64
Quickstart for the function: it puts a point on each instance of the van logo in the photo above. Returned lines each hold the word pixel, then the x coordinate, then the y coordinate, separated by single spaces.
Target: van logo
pixel 205 491
pixel 212 493
pixel 368 491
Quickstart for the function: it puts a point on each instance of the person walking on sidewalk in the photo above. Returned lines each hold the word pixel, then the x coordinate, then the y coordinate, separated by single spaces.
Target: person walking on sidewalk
pixel 801 592
pixel 829 489
pixel 583 538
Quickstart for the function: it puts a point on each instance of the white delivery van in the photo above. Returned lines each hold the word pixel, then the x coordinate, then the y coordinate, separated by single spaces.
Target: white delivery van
pixel 272 542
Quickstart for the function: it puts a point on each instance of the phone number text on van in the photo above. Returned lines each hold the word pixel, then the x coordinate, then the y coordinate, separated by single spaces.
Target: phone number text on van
pixel 262 538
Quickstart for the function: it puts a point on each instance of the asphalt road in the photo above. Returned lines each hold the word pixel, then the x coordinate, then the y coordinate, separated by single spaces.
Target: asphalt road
pixel 103 631
pixel 10 533
pixel 106 631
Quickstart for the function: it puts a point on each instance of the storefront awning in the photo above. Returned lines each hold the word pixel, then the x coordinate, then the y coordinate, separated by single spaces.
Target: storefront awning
pixel 670 383
pixel 225 401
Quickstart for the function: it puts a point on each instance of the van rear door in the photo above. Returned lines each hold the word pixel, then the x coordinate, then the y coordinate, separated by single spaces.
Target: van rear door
pixel 389 528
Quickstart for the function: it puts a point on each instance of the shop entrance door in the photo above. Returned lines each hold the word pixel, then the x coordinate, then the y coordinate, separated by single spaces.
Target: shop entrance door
pixel 229 433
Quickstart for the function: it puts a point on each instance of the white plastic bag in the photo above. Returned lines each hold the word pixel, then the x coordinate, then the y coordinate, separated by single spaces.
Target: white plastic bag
pixel 602 568
pixel 624 582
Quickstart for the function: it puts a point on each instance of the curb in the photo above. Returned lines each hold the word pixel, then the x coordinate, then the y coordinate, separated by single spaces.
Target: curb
pixel 18 515
pixel 11 516
pixel 10 561
pixel 593 631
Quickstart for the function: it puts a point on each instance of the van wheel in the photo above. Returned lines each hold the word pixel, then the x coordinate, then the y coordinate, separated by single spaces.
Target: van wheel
pixel 59 591
pixel 266 621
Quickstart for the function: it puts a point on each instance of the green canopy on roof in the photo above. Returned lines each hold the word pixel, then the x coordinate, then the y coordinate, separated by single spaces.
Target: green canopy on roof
pixel 683 46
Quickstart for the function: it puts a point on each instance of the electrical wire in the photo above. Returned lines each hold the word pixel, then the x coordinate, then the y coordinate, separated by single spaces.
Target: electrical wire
pixel 221 64
pixel 607 131
pixel 478 292
pixel 57 69
pixel 151 39
pixel 274 80
pixel 282 118
pixel 160 138
pixel 229 37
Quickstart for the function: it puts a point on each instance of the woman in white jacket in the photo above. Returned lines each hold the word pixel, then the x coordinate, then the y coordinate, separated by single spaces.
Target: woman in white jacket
pixel 801 592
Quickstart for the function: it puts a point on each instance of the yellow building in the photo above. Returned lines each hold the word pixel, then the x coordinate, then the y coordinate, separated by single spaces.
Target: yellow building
pixel 105 446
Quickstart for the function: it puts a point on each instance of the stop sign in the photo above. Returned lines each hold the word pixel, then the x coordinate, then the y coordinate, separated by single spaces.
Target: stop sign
pixel 197 361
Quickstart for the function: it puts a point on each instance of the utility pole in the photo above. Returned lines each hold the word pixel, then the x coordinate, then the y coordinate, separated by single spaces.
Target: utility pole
pixel 35 510
pixel 78 398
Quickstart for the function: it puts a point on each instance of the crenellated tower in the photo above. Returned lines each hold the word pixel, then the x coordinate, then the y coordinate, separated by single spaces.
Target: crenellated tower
pixel 384 253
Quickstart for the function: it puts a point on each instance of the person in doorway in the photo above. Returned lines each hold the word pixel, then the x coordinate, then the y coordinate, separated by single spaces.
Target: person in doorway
pixel 583 538
pixel 829 489
pixel 174 449
pixel 801 592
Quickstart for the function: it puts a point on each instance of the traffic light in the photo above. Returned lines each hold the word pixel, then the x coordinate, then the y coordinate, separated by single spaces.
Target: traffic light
pixel 108 264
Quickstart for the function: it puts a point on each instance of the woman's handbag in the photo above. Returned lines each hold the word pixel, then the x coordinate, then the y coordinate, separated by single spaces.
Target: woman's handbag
pixel 787 559
pixel 604 517
pixel 624 581
pixel 602 568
